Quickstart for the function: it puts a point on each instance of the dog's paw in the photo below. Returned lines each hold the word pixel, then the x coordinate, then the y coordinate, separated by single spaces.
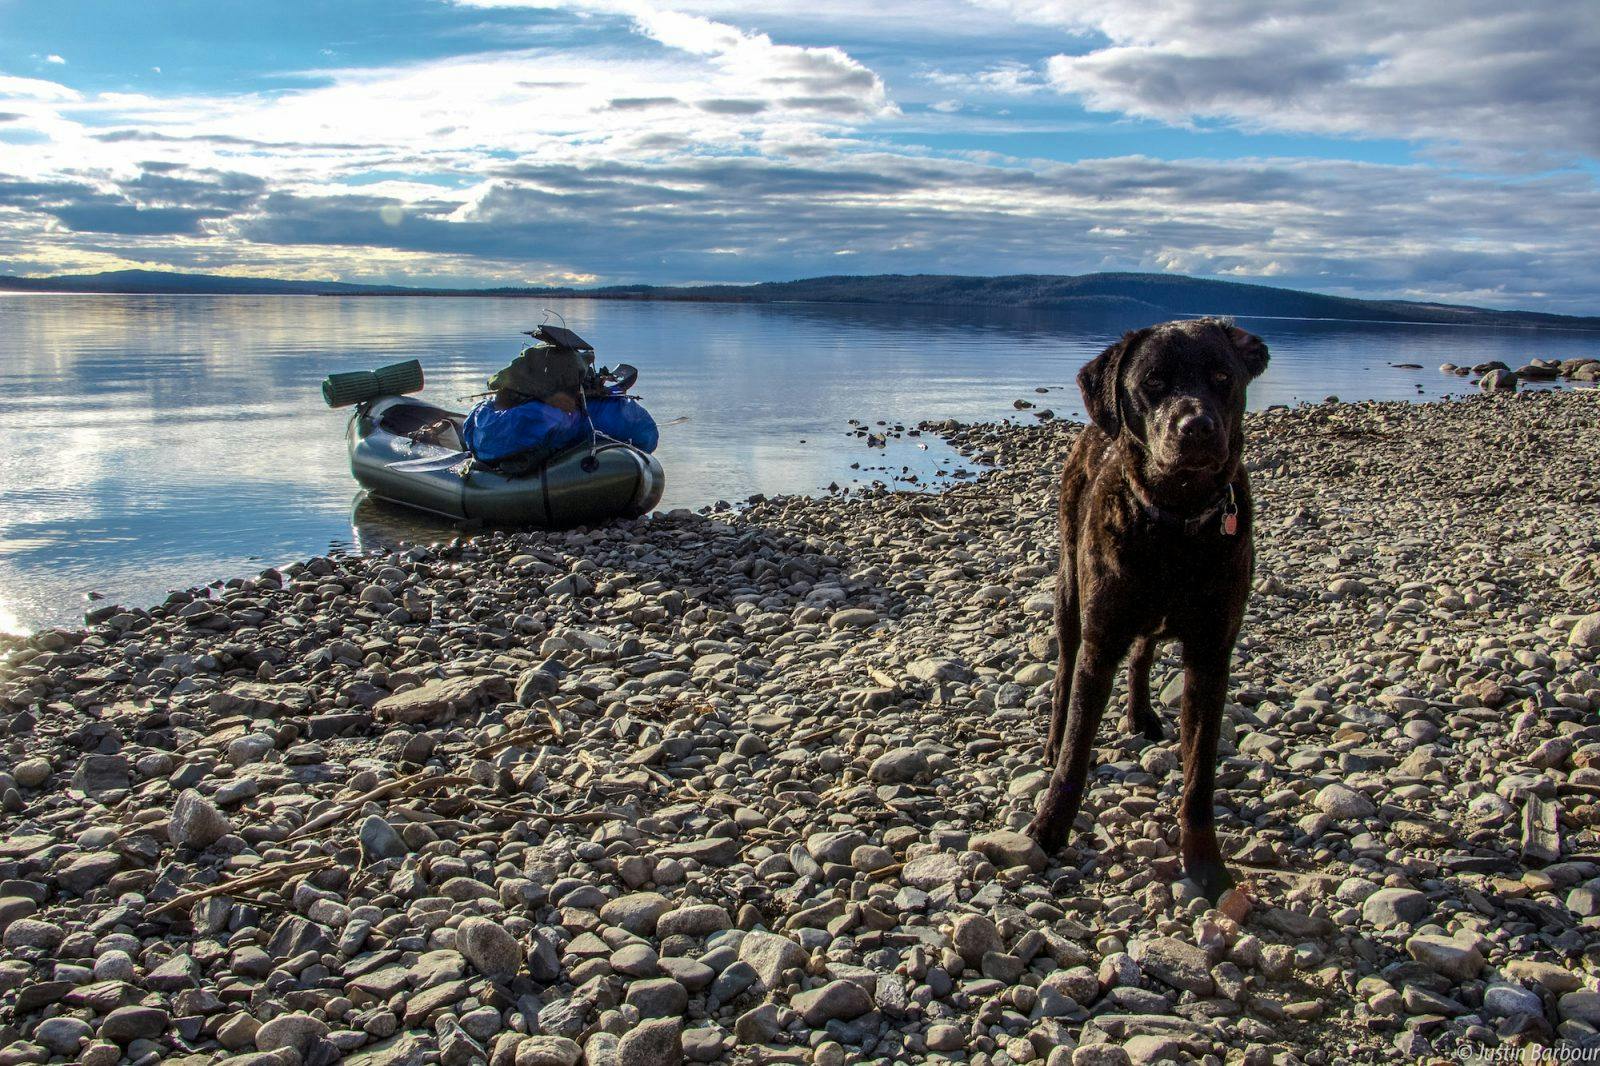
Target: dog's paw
pixel 1051 833
pixel 1146 725
pixel 1213 878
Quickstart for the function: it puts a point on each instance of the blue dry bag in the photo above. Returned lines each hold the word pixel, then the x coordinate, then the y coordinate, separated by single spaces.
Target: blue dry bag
pixel 624 418
pixel 494 433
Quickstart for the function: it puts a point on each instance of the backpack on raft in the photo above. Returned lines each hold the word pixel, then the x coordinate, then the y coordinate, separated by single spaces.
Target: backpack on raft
pixel 561 363
pixel 562 401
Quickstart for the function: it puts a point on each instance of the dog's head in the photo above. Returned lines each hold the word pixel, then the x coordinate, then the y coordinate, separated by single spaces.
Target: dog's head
pixel 1178 390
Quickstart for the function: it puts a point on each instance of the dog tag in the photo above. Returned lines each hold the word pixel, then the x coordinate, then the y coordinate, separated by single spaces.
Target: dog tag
pixel 1230 524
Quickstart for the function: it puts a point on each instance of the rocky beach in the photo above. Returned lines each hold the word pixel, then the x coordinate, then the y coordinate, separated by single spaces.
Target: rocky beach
pixel 747 786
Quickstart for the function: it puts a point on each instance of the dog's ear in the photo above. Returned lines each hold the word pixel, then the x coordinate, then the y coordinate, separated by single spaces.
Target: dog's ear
pixel 1251 349
pixel 1101 384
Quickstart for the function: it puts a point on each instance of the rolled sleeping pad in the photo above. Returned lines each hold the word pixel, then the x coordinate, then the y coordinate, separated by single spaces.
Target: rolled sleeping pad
pixel 359 386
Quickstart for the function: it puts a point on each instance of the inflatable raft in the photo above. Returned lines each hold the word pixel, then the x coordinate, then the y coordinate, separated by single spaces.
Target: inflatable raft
pixel 588 483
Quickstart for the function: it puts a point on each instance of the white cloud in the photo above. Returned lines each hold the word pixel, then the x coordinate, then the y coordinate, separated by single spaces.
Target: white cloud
pixel 13 89
pixel 1342 227
pixel 1474 71
pixel 822 76
pixel 1005 79
pixel 898 20
pixel 52 58
pixel 692 140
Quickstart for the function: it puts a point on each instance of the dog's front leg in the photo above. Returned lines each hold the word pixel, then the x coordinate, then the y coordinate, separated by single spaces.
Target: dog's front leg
pixel 1205 687
pixel 1067 640
pixel 1091 688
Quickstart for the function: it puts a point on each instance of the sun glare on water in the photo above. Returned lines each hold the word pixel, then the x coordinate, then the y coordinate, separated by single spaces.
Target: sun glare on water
pixel 10 624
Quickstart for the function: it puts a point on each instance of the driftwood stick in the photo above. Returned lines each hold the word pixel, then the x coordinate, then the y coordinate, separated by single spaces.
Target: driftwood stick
pixel 279 872
pixel 536 732
pixel 1293 875
pixel 420 781
pixel 575 818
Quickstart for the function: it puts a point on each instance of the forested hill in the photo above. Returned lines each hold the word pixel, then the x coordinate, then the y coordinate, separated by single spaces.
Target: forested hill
pixel 1147 295
pixel 1159 294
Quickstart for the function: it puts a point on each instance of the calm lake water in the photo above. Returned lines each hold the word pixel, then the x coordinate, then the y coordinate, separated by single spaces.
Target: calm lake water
pixel 160 442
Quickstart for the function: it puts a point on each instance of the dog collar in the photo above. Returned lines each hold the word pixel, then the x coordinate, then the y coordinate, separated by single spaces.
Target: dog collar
pixel 1225 505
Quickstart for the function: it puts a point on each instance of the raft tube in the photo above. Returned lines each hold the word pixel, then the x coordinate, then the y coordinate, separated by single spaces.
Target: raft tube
pixel 580 486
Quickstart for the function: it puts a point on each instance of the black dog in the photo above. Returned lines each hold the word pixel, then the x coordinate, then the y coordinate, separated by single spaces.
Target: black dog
pixel 1155 545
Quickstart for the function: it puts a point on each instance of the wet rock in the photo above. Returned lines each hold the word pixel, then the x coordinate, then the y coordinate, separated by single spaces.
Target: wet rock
pixel 1007 849
pixel 1342 802
pixel 380 841
pixel 638 912
pixel 196 822
pixel 1175 963
pixel 33 933
pixel 974 936
pixel 97 775
pixel 62 1036
pixel 771 955
pixel 491 950
pixel 899 766
pixel 442 699
pixel 654 1042
pixel 297 1031
pixel 31 773
pixel 1447 955
pixel 928 872
pixel 1585 633
pixel 834 1001
pixel 127 1024
pixel 702 1044
pixel 658 997
pixel 1388 908
pixel 548 1051
pixel 695 920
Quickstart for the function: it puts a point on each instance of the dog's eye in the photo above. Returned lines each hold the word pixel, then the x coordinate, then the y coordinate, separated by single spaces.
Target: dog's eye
pixel 1222 377
pixel 1154 384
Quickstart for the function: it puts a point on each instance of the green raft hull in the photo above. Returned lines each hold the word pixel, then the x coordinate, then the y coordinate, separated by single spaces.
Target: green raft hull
pixel 620 482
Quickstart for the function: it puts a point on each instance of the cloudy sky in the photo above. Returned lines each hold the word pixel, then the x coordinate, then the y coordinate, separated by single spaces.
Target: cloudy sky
pixel 1435 149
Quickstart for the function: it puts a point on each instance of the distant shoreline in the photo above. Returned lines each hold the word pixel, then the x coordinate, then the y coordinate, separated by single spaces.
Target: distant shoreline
pixel 1131 297
pixel 620 298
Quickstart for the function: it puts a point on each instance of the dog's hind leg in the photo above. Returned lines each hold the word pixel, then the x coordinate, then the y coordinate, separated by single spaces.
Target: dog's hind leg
pixel 1142 719
pixel 1068 632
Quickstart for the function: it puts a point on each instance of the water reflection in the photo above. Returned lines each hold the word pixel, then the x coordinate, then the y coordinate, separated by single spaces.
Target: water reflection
pixel 378 525
pixel 159 442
